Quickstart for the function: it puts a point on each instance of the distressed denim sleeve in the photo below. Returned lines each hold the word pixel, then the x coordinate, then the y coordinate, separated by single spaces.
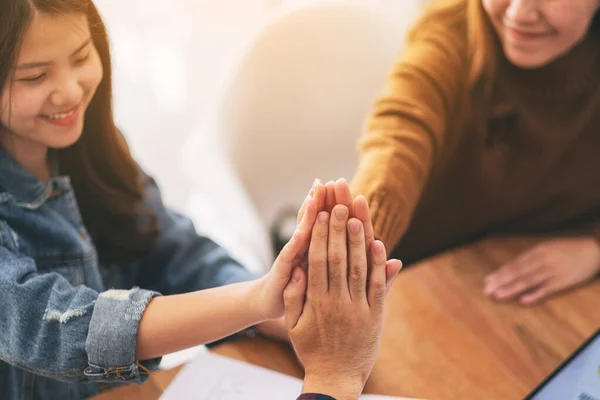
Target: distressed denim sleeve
pixel 182 260
pixel 70 333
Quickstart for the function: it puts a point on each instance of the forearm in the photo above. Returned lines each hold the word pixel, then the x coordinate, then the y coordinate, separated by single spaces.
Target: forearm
pixel 173 323
pixel 392 197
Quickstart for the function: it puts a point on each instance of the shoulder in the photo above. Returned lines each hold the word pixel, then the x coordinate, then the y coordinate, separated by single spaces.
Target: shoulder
pixel 431 40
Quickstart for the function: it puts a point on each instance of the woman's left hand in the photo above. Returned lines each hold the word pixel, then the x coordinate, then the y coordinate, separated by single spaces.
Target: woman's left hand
pixel 548 268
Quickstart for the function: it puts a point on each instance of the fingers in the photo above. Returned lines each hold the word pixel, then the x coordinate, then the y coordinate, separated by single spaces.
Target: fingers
pixel 298 244
pixel 362 212
pixel 293 298
pixel 525 265
pixel 317 256
pixel 377 277
pixel 521 285
pixel 392 269
pixel 330 200
pixel 539 293
pixel 357 263
pixel 317 192
pixel 342 193
pixel 320 196
pixel 337 253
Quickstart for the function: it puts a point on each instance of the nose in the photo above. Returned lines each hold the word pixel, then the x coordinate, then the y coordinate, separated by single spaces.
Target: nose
pixel 523 12
pixel 68 93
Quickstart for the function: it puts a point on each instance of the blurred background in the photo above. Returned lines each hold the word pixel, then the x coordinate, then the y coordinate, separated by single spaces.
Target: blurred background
pixel 204 87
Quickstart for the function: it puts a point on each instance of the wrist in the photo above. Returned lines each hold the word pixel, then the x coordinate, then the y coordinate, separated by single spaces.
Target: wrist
pixel 338 387
pixel 255 300
pixel 274 329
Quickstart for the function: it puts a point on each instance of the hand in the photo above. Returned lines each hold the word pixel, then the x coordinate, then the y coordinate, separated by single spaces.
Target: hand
pixel 546 269
pixel 338 192
pixel 269 289
pixel 335 324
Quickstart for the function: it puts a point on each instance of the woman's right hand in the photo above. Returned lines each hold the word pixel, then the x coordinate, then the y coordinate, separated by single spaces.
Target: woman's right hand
pixel 335 315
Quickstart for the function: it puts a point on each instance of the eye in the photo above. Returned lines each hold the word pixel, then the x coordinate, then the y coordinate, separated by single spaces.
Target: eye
pixel 82 60
pixel 34 79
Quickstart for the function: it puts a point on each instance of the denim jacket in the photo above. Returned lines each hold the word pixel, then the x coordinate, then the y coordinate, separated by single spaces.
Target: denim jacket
pixel 68 324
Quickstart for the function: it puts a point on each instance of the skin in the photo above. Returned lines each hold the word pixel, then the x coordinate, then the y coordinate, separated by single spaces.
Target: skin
pixel 69 80
pixel 549 268
pixel 335 313
pixel 534 33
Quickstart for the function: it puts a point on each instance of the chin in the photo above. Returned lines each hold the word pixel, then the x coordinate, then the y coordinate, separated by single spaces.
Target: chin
pixel 65 140
pixel 527 61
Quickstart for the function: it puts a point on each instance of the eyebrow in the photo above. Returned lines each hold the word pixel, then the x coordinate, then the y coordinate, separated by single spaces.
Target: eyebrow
pixel 47 63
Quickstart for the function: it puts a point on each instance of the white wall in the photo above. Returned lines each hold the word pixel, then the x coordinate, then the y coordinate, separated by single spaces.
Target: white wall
pixel 170 60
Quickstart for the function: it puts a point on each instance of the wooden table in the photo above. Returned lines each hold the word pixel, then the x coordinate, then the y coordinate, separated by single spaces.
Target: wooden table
pixel 443 338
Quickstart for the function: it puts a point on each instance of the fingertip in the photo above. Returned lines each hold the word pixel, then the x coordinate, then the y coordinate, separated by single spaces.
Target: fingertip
pixel 488 291
pixel 323 217
pixel 297 275
pixel 361 208
pixel 527 300
pixel 340 211
pixel 378 247
pixel 354 225
pixel 315 183
pixel 398 263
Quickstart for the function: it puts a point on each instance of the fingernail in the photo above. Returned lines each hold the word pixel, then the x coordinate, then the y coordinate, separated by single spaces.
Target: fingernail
pixel 378 247
pixel 296 276
pixel 315 184
pixel 323 217
pixel 341 180
pixel 341 212
pixel 354 226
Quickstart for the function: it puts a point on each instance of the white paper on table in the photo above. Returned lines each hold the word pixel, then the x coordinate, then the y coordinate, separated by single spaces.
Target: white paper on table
pixel 213 377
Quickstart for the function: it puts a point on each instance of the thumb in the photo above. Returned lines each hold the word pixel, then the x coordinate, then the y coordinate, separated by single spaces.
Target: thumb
pixel 293 298
pixel 298 244
pixel 392 268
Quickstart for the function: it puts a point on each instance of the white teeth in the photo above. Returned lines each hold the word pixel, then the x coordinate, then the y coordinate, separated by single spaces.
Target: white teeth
pixel 61 115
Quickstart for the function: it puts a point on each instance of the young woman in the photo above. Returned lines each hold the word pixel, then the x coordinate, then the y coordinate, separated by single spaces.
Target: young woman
pixel 490 124
pixel 80 225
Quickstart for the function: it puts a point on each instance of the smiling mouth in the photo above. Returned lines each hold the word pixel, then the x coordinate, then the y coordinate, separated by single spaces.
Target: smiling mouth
pixel 61 115
pixel 525 34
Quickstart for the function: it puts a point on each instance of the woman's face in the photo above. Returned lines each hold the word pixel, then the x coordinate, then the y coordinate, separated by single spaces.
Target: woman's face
pixel 533 33
pixel 57 73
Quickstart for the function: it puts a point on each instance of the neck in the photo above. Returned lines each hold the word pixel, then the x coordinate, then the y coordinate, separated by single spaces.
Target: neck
pixel 31 155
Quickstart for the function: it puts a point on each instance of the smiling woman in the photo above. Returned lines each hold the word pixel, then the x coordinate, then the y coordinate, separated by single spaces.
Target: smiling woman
pixel 55 77
pixel 488 125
